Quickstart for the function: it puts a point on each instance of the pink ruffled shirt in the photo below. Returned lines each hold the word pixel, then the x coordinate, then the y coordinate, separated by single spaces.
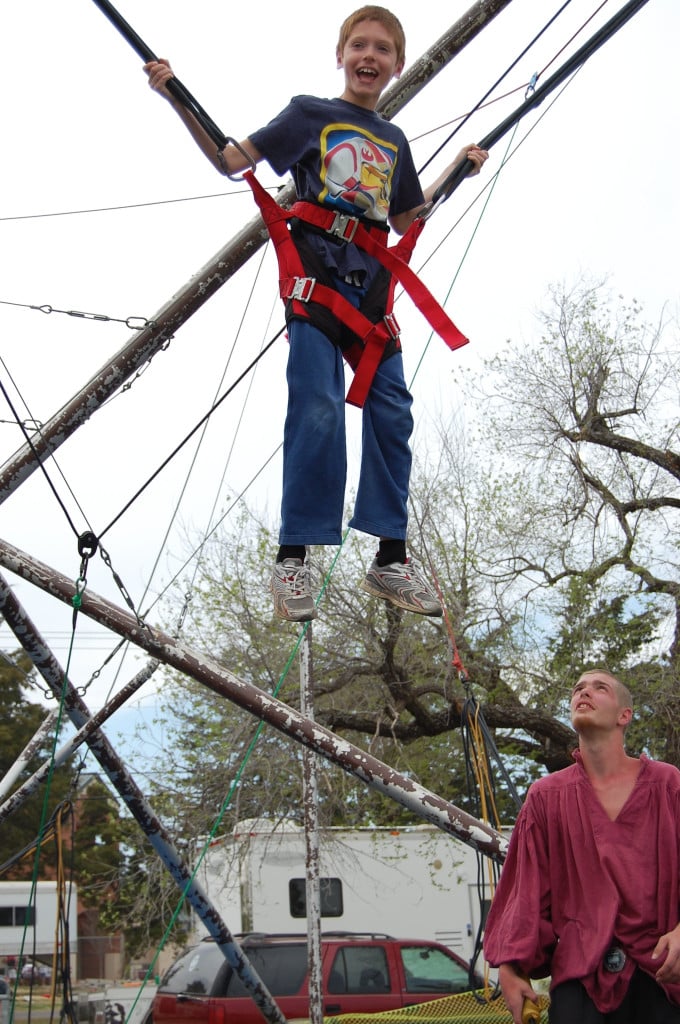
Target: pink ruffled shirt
pixel 575 883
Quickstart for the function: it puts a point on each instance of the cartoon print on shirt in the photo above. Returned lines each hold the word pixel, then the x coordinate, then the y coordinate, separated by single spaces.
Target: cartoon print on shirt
pixel 356 170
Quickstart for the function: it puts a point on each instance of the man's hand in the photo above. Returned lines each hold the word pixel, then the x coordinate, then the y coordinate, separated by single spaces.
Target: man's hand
pixel 670 945
pixel 516 988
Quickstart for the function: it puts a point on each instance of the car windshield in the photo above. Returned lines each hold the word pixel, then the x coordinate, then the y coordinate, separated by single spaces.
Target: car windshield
pixel 432 970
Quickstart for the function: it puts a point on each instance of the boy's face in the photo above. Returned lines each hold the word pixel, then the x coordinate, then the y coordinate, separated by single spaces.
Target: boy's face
pixel 369 60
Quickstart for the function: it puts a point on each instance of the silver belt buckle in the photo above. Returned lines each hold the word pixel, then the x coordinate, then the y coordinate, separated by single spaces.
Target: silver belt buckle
pixel 614 960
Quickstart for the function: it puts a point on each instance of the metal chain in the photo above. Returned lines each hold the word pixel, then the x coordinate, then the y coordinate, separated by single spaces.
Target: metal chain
pixel 145 366
pixel 121 586
pixel 134 323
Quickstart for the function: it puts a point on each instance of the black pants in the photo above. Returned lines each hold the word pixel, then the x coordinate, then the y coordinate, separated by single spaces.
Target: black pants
pixel 645 1003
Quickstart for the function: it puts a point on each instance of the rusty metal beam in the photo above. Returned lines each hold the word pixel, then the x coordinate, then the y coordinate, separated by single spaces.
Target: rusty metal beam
pixel 210 278
pixel 280 716
pixel 437 56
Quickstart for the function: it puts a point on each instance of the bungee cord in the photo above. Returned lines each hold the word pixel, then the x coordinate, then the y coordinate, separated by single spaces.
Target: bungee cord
pixel 480 103
pixel 487 188
pixel 535 97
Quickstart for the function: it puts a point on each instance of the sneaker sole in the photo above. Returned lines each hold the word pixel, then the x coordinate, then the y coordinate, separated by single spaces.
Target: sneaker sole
pixel 397 602
pixel 303 617
pixel 282 612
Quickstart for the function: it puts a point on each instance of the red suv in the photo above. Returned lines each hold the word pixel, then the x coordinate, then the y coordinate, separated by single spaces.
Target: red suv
pixel 361 974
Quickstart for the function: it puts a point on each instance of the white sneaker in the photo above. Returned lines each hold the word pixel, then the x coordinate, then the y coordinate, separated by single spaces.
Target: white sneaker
pixel 403 584
pixel 291 591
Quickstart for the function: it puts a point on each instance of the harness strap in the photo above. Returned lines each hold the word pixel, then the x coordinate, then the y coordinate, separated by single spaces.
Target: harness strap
pixel 365 355
pixel 395 259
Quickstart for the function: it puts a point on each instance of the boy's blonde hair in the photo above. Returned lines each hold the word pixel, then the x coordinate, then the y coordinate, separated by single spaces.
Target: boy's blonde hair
pixel 386 19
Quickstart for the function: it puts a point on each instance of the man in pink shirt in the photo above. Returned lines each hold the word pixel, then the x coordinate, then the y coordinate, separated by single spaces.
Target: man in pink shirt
pixel 590 891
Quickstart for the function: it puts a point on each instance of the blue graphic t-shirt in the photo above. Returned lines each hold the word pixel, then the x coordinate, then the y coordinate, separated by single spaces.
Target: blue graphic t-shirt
pixel 347 158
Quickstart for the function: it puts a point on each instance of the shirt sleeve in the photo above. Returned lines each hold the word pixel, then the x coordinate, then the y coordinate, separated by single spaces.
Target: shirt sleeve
pixel 518 928
pixel 282 141
pixel 407 193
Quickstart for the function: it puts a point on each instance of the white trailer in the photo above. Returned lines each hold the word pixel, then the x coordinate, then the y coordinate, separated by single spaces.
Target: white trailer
pixel 414 882
pixel 28 919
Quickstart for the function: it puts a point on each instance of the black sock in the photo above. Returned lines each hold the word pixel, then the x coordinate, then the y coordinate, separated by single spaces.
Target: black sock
pixel 291 551
pixel 391 551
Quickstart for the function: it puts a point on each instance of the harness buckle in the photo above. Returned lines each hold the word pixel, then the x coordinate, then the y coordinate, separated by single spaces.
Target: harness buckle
pixel 343 226
pixel 302 289
pixel 393 327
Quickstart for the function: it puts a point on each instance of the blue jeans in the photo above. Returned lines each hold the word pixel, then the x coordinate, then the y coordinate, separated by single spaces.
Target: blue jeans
pixel 315 450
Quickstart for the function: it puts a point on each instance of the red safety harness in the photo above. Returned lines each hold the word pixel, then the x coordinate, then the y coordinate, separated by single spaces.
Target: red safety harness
pixel 299 289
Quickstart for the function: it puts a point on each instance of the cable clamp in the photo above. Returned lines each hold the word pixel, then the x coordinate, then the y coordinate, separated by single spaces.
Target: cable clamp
pixel 531 88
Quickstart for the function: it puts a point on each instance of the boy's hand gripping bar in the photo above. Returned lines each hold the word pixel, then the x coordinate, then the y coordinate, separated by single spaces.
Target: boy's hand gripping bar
pixel 175 87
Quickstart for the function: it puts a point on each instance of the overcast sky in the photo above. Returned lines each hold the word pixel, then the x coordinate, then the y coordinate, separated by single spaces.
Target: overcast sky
pixel 591 190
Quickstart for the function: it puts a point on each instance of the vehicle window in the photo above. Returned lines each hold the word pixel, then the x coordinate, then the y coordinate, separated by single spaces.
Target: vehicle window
pixel 432 970
pixel 282 967
pixel 197 971
pixel 359 970
pixel 330 892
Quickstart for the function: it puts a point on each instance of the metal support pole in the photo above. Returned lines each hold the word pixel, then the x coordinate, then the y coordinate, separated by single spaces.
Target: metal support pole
pixel 354 760
pixel 120 778
pixel 310 796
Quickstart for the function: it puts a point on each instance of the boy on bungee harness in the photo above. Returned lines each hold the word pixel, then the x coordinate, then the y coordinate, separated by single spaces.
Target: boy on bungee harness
pixel 348 160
